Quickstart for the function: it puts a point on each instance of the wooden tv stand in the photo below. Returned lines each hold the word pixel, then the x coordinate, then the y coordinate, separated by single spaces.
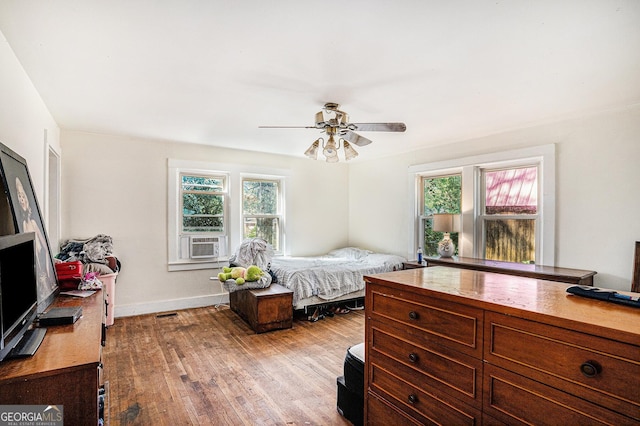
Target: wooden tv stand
pixel 456 346
pixel 66 369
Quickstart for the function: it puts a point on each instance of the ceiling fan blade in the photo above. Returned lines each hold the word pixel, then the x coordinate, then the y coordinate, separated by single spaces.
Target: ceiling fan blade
pixel 380 127
pixel 354 138
pixel 287 127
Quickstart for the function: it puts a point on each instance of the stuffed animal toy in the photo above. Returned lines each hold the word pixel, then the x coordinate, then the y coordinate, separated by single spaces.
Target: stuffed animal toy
pixel 240 274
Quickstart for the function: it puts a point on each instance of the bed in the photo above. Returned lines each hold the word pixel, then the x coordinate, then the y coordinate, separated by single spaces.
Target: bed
pixel 336 276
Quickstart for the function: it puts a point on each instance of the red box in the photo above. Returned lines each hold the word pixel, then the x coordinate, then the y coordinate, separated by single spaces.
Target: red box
pixel 69 275
pixel 69 270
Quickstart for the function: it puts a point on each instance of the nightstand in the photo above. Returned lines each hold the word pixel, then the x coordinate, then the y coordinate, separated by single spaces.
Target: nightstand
pixel 413 264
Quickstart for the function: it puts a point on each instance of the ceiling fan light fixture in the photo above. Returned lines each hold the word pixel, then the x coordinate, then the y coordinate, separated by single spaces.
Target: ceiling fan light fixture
pixel 312 151
pixel 330 149
pixel 344 120
pixel 332 121
pixel 349 152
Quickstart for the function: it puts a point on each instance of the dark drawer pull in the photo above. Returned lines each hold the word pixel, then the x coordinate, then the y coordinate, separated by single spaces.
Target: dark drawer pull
pixel 590 368
pixel 413 357
pixel 413 398
pixel 413 315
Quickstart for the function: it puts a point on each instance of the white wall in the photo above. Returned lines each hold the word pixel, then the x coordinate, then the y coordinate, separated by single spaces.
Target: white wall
pixel 118 186
pixel 597 201
pixel 24 118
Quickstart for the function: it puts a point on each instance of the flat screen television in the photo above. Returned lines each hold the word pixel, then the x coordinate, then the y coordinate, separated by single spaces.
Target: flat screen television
pixel 19 296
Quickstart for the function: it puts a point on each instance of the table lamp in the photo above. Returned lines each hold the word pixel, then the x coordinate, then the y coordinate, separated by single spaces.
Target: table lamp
pixel 447 223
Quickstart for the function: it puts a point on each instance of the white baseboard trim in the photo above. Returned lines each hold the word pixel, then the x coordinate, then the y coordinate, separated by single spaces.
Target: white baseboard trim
pixel 170 305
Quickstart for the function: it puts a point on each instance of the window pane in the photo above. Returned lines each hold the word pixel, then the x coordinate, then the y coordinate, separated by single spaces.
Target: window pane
pixel 511 191
pixel 202 204
pixel 441 194
pixel 510 240
pixel 202 224
pixel 202 213
pixel 202 183
pixel 260 197
pixel 266 228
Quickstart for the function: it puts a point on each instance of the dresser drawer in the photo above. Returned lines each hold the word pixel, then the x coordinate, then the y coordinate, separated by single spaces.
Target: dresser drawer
pixel 423 407
pixel 442 370
pixel 593 368
pixel 444 323
pixel 381 413
pixel 514 399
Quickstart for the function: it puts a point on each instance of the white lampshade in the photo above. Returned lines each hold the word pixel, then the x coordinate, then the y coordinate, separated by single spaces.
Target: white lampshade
pixel 446 222
pixel 312 152
pixel 349 152
pixel 330 149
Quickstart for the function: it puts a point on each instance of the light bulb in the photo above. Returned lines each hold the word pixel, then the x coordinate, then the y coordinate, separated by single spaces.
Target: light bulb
pixel 330 149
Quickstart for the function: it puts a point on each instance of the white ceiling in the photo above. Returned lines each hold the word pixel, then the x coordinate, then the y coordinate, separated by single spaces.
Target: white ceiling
pixel 212 71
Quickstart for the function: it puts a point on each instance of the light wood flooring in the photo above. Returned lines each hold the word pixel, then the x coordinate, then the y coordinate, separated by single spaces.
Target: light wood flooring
pixel 206 366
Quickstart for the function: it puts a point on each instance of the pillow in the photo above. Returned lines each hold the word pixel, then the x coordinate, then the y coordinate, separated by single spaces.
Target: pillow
pixel 350 253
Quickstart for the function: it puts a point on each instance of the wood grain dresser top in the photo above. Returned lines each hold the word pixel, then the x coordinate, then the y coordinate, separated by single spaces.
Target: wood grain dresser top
pixel 528 298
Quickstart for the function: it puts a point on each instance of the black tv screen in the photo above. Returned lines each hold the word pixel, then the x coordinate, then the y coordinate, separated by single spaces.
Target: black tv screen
pixel 18 288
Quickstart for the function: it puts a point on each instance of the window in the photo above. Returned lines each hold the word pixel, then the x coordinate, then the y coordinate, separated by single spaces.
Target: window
pixel 261 207
pixel 212 207
pixel 506 201
pixel 203 201
pixel 440 194
pixel 509 216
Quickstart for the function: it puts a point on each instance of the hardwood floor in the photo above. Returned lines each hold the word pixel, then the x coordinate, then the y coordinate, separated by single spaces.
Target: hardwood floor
pixel 206 366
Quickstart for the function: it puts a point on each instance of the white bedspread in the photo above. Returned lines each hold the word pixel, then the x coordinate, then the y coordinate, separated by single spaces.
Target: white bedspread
pixel 333 275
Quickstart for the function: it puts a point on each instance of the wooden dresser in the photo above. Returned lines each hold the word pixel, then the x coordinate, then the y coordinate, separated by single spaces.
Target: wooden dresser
pixel 456 346
pixel 66 369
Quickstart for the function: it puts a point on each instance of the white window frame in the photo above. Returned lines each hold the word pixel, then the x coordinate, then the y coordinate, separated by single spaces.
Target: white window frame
pixel 233 207
pixel 422 218
pixel 482 217
pixel 178 261
pixel 224 193
pixel 280 215
pixel 469 167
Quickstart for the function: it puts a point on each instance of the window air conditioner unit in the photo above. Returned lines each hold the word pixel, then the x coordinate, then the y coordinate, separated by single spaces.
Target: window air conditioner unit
pixel 205 247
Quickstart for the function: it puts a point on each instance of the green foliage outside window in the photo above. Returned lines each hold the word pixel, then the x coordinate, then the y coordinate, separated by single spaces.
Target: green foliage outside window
pixel 260 200
pixel 202 204
pixel 442 194
pixel 259 197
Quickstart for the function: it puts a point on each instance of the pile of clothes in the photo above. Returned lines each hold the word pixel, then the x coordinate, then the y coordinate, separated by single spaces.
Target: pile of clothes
pixel 85 261
pixel 252 251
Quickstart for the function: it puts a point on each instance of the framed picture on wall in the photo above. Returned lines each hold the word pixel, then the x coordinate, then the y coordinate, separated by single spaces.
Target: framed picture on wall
pixel 23 206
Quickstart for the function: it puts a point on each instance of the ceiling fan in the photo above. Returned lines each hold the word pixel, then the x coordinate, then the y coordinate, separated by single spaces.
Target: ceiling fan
pixel 334 122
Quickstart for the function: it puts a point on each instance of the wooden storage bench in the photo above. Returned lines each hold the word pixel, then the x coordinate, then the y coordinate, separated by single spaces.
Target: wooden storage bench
pixel 264 309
